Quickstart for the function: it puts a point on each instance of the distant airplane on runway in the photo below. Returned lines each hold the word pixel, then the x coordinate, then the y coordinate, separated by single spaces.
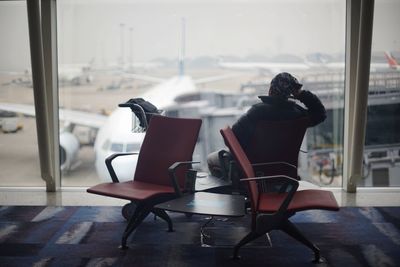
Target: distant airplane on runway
pixel 276 67
pixel 81 74
pixel 68 74
pixel 271 67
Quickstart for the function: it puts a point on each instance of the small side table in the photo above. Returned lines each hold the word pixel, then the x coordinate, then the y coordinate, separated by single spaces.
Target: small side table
pixel 206 203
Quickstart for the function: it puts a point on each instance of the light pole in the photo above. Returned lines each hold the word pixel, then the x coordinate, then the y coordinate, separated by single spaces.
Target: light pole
pixel 131 48
pixel 122 26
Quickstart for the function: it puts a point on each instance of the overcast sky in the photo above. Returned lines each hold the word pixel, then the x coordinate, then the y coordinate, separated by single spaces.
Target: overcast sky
pixel 152 29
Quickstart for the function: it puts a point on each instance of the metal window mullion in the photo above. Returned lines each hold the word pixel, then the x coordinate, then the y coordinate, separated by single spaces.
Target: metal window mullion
pixel 42 89
pixel 359 19
pixel 361 103
pixel 49 36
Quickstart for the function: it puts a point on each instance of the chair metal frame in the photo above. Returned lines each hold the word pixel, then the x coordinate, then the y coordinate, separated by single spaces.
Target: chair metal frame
pixel 147 193
pixel 283 203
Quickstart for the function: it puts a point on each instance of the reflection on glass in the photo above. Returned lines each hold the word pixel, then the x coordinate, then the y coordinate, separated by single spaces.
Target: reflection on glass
pixel 187 66
pixel 382 142
pixel 19 162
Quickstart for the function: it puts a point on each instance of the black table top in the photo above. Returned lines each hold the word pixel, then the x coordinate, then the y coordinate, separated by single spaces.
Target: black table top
pixel 207 204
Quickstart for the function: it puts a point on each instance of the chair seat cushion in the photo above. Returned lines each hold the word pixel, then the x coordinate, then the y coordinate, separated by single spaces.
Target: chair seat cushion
pixel 131 190
pixel 302 200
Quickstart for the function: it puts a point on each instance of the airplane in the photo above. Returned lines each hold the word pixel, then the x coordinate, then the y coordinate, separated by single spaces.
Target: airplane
pixel 19 78
pixel 276 67
pixel 75 74
pixel 272 67
pixel 129 67
pixel 114 132
pixel 68 74
pixel 374 66
pixel 81 74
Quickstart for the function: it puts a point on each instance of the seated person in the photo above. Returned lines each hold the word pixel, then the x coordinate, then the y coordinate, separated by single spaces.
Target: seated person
pixel 274 107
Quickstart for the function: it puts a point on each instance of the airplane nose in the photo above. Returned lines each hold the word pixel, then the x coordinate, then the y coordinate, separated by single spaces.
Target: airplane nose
pixel 124 167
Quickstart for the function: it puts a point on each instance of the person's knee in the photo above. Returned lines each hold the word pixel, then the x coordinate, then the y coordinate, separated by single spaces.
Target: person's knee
pixel 214 165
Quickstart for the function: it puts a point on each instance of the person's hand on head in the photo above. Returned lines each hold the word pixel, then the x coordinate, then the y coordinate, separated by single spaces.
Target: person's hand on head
pixel 285 85
pixel 296 92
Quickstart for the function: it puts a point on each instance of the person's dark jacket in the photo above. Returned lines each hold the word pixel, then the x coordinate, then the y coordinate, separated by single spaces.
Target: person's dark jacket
pixel 273 108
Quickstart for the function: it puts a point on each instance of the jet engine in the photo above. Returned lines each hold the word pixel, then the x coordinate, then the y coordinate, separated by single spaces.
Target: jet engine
pixel 69 147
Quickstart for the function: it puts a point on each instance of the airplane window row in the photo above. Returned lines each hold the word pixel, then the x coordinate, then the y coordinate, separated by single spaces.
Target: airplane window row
pixel 120 147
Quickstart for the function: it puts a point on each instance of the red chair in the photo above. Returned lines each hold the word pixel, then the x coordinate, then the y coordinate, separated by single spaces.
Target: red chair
pixel 272 210
pixel 163 162
pixel 282 140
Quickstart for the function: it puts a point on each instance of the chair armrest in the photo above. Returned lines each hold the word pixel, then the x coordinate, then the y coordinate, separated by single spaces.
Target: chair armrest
pixel 280 178
pixel 275 163
pixel 171 171
pixel 109 166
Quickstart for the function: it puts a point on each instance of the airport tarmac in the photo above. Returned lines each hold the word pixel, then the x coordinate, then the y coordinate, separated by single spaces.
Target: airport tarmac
pixel 18 151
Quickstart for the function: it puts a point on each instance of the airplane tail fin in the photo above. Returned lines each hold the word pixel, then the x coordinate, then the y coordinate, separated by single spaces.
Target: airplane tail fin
pixel 391 60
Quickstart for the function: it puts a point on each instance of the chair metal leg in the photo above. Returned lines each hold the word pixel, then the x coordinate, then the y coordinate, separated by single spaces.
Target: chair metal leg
pixel 248 238
pixel 164 215
pixel 140 214
pixel 269 241
pixel 202 233
pixel 289 228
pixel 128 210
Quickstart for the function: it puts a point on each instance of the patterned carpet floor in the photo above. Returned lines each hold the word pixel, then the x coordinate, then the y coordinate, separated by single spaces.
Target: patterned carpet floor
pixel 90 236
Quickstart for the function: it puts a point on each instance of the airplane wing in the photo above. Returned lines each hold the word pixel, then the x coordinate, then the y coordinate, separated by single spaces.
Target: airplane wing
pixel 142 77
pixel 215 78
pixel 265 66
pixel 18 108
pixel 82 118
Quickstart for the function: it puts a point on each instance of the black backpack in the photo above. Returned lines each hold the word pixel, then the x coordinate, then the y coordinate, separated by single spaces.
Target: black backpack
pixel 148 108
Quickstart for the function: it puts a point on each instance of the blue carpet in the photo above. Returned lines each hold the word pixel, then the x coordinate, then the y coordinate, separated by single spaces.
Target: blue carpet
pixel 90 236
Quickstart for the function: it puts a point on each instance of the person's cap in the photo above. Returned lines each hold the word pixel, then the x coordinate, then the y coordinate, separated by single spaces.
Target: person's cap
pixel 284 84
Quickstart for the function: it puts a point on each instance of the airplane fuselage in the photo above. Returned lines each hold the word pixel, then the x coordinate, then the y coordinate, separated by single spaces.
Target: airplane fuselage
pixel 116 135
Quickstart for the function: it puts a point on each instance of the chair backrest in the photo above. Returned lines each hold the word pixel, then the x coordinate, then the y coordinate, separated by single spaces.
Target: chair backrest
pixel 277 141
pixel 167 141
pixel 273 141
pixel 238 153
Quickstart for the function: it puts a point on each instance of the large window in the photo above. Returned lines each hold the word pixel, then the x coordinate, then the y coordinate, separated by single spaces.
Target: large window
pixel 208 59
pixel 19 162
pixel 111 51
pixel 324 142
pixel 382 142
